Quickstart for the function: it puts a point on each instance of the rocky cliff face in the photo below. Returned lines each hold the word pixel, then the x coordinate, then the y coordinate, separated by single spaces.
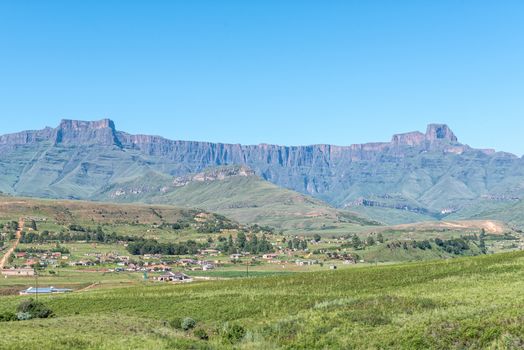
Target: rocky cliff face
pixel 429 170
pixel 76 132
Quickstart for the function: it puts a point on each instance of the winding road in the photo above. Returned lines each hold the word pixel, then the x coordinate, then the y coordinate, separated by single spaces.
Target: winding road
pixel 10 251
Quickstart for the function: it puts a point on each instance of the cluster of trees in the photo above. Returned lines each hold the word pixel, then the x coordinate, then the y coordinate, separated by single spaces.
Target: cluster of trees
pixel 76 233
pixel 9 229
pixel 357 243
pixel 56 249
pixel 215 227
pixel 245 243
pixel 453 246
pixel 151 246
pixel 297 244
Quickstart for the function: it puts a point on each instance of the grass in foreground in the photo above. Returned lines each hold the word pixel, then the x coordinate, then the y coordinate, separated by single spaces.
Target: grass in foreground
pixel 473 303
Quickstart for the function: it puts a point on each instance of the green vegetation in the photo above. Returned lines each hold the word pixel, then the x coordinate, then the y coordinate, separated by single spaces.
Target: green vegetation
pixel 247 199
pixel 455 304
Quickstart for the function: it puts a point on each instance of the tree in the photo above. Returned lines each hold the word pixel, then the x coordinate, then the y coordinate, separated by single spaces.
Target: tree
pixel 482 242
pixel 380 237
pixel 230 245
pixel 241 240
pixel 370 240
pixel 253 244
pixel 356 242
pixel 303 245
pixel 32 225
pixel 317 237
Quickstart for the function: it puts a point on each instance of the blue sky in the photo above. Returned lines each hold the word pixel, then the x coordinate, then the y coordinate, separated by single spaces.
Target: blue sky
pixel 285 72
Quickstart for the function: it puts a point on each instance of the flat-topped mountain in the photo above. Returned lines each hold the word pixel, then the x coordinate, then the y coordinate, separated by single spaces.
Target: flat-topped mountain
pixel 430 174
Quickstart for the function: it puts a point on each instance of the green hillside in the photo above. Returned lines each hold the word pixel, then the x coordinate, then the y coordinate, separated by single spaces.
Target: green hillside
pixel 245 198
pixel 466 303
pixel 511 213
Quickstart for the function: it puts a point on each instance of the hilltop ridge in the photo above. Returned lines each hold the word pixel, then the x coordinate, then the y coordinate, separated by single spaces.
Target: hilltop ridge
pixel 429 173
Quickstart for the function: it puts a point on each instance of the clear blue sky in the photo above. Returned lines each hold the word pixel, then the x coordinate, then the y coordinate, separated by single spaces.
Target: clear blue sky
pixel 285 72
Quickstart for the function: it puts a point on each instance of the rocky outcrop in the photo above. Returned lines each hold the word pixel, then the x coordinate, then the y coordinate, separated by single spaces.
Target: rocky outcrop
pixel 215 174
pixel 76 132
pixel 27 137
pixel 440 132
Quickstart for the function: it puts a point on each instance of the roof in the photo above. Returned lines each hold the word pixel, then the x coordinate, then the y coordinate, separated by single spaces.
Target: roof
pixel 46 290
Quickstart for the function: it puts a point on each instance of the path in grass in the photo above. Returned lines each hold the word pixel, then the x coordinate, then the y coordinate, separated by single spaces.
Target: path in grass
pixel 12 249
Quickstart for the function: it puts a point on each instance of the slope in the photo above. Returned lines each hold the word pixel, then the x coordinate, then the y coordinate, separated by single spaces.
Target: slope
pixel 238 193
pixel 466 303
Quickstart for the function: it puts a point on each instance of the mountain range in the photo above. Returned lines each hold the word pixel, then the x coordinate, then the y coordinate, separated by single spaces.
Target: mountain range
pixel 415 176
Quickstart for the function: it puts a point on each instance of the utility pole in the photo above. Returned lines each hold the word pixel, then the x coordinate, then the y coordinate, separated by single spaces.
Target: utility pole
pixel 36 284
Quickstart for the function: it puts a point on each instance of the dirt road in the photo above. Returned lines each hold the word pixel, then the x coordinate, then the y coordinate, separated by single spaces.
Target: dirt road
pixel 10 251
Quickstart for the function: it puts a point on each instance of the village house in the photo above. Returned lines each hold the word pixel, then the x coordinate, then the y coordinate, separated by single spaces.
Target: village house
pixel 187 262
pixel 211 252
pixel 159 267
pixel 174 277
pixel 44 290
pixel 269 256
pixel 305 262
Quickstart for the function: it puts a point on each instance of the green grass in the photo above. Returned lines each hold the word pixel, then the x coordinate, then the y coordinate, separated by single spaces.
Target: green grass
pixel 473 303
pixel 249 199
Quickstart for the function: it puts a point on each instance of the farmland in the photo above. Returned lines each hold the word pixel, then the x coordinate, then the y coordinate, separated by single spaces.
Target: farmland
pixel 473 302
pixel 253 287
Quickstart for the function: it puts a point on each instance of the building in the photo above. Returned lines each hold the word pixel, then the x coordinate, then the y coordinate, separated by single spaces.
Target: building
pixel 174 277
pixel 44 290
pixel 269 256
pixel 305 262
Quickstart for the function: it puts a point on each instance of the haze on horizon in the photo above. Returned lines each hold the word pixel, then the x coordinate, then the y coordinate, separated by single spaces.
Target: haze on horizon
pixel 268 72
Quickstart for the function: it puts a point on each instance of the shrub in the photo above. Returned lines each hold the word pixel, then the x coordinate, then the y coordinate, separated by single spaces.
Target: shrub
pixel 188 323
pixel 201 334
pixel 232 333
pixel 176 323
pixel 8 316
pixel 35 309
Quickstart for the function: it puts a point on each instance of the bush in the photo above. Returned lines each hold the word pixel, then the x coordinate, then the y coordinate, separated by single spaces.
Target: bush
pixel 8 316
pixel 35 309
pixel 176 323
pixel 188 323
pixel 201 334
pixel 232 333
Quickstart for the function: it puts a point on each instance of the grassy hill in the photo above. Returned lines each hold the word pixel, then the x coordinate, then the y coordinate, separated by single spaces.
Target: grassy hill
pixel 511 213
pixel 245 198
pixel 473 303
pixel 152 221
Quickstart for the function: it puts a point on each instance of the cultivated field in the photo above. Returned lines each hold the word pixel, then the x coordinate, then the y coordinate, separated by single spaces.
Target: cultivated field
pixel 473 303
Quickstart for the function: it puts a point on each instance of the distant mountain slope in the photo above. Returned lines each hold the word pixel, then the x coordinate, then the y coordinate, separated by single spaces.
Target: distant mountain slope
pixel 512 213
pixel 235 192
pixel 429 173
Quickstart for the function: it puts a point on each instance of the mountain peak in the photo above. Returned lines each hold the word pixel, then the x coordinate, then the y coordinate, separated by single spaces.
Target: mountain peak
pixel 101 132
pixel 81 124
pixel 440 132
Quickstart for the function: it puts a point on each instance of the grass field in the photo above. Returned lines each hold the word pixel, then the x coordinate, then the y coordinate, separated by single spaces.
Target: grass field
pixel 473 303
